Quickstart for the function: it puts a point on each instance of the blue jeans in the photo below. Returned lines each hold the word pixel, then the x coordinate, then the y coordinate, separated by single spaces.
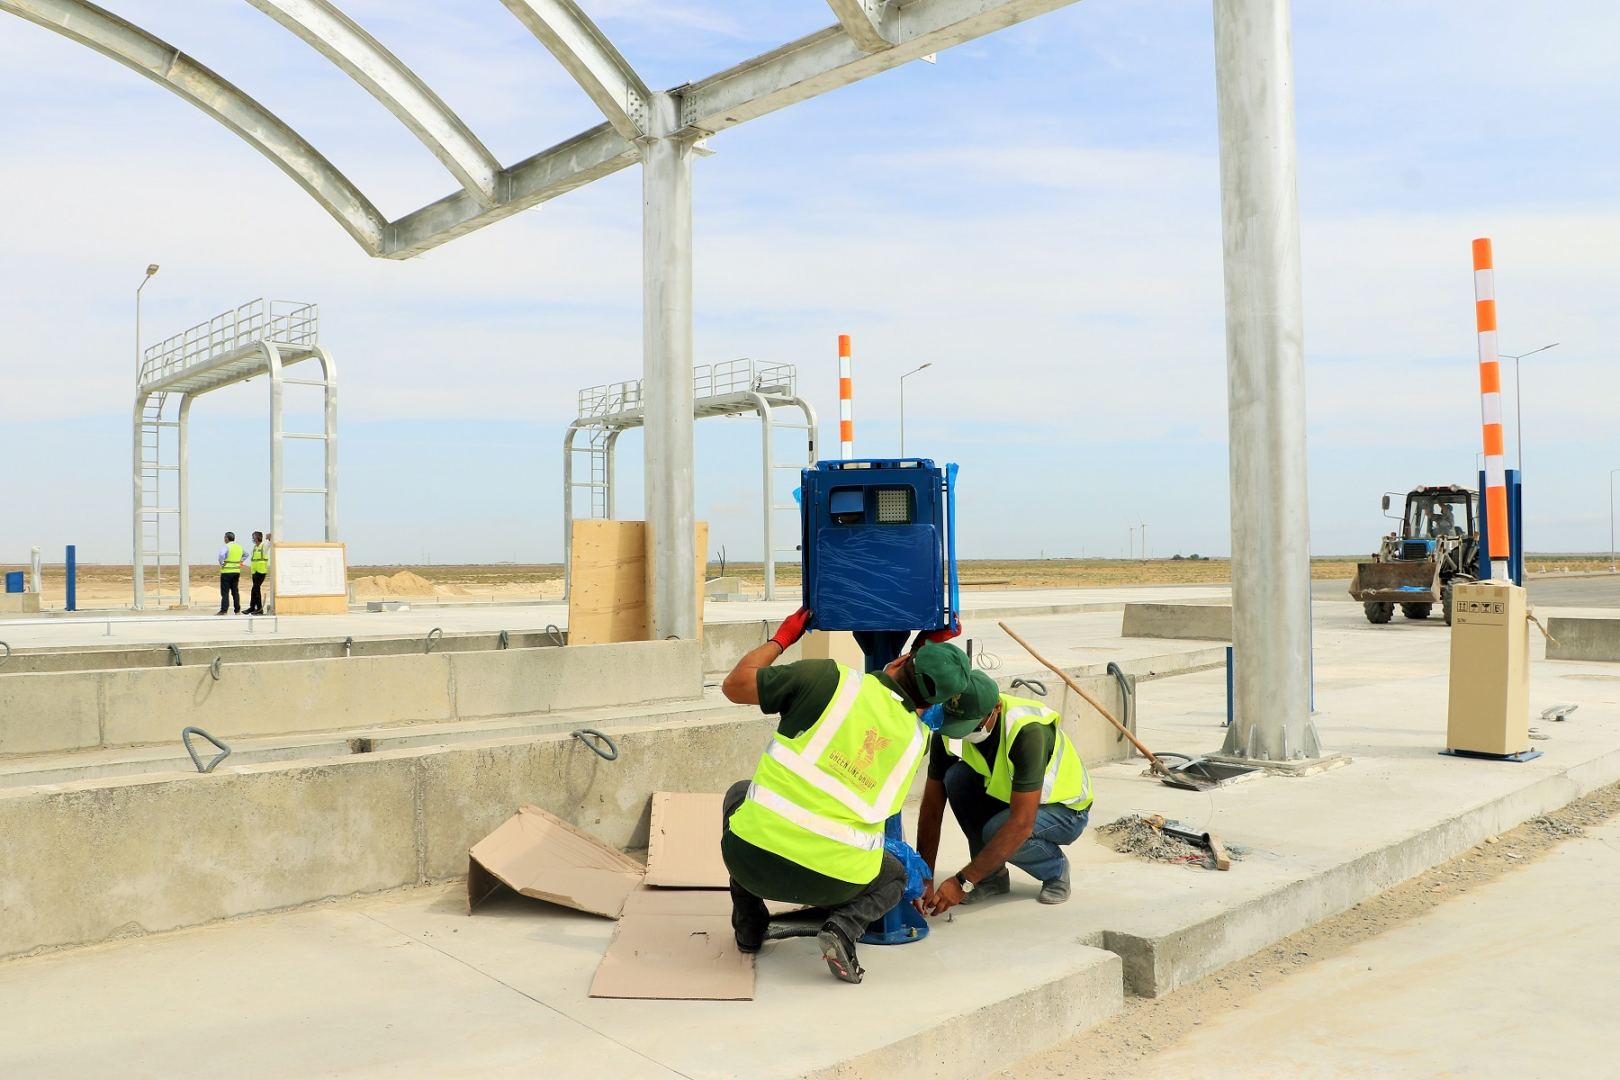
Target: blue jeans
pixel 981 817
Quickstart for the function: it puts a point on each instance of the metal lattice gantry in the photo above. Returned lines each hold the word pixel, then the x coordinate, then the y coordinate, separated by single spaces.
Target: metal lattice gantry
pixel 662 130
pixel 261 337
pixel 732 388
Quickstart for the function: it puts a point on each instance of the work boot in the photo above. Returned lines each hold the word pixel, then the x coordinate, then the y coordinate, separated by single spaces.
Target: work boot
pixel 839 952
pixel 996 884
pixel 749 921
pixel 1057 890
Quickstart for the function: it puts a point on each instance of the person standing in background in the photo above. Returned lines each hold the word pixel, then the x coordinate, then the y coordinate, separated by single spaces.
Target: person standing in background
pixel 259 562
pixel 231 558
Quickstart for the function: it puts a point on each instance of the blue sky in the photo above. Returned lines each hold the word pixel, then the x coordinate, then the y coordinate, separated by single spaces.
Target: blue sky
pixel 1036 215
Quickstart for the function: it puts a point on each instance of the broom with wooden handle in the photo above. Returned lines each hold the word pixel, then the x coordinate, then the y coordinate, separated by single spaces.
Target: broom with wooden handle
pixel 1153 762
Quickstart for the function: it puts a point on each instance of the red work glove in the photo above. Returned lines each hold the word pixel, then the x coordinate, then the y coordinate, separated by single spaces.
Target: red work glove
pixel 792 629
pixel 937 637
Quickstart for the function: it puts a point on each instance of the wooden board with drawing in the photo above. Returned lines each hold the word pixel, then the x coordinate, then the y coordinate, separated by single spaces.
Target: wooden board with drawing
pixel 309 578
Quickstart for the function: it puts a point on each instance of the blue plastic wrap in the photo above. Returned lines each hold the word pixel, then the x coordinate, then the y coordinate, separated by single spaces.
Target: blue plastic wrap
pixel 862 580
pixel 916 870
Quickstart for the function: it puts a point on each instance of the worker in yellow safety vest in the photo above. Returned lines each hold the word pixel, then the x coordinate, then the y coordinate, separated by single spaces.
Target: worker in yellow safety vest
pixel 230 575
pixel 259 562
pixel 808 827
pixel 1017 787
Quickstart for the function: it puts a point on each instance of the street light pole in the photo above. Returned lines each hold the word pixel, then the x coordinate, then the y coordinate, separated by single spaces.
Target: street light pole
pixel 151 269
pixel 1518 406
pixel 1611 518
pixel 903 379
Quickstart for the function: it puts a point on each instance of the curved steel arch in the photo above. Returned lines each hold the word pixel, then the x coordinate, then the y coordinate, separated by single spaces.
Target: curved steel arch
pixel 365 60
pixel 149 55
pixel 581 47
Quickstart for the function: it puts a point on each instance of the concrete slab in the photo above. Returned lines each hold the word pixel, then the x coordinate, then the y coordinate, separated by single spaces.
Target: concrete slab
pixel 279 998
pixel 1583 639
pixel 100 629
pixel 1312 846
pixel 1489 984
pixel 1209 622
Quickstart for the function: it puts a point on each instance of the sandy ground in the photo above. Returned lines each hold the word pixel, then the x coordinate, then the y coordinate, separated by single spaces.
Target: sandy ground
pixel 107 585
pixel 1122 1048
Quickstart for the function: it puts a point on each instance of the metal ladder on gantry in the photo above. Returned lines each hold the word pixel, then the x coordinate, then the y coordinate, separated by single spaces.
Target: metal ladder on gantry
pixel 262 337
pixel 732 388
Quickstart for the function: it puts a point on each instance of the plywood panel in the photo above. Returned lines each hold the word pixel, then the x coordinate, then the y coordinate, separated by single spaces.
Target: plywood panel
pixel 607 595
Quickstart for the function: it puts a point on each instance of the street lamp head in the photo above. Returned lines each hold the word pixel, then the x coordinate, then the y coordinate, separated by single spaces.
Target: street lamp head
pixel 928 364
pixel 151 269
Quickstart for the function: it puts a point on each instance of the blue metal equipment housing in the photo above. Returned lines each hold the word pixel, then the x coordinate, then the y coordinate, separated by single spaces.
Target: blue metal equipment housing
pixel 879 544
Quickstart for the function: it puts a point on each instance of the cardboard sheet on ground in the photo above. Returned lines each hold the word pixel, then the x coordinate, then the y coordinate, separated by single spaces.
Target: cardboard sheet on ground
pixel 675 943
pixel 683 846
pixel 540 855
pixel 683 842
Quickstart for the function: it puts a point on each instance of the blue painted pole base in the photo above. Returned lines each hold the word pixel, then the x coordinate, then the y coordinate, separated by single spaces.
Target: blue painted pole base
pixel 1522 755
pixel 902 924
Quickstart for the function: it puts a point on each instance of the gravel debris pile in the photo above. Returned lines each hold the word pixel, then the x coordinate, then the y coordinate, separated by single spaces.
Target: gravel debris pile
pixel 1554 827
pixel 1144 837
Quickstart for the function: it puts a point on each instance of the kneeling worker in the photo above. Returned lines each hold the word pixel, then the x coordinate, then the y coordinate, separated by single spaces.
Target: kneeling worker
pixel 1017 787
pixel 808 828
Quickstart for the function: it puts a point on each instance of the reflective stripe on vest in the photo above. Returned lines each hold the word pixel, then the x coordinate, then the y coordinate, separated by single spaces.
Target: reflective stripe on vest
pixel 832 830
pixel 1013 718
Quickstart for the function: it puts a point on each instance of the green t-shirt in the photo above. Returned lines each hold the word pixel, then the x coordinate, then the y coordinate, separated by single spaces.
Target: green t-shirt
pixel 799 693
pixel 1028 756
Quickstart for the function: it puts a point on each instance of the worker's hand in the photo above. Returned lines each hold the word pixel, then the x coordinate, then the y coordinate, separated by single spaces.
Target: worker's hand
pixel 792 629
pixel 937 637
pixel 946 897
pixel 925 903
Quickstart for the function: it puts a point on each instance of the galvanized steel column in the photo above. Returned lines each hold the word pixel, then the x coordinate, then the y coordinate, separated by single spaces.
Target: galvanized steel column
pixel 1265 383
pixel 666 204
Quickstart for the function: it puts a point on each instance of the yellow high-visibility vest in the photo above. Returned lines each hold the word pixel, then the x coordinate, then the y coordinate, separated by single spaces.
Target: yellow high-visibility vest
pixel 260 559
pixel 233 559
pixel 820 798
pixel 1066 780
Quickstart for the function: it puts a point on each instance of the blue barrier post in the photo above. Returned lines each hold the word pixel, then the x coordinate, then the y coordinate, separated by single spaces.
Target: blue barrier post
pixel 72 577
pixel 1229 686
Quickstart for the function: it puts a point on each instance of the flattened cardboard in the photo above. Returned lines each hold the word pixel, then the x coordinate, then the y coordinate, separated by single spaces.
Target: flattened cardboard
pixel 540 855
pixel 675 944
pixel 683 845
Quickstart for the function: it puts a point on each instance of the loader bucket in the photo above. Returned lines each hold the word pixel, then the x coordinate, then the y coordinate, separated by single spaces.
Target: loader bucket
pixel 1397 582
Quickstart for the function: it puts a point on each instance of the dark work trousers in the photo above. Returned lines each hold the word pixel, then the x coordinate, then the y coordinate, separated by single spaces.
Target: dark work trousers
pixel 981 816
pixel 256 600
pixel 850 907
pixel 230 593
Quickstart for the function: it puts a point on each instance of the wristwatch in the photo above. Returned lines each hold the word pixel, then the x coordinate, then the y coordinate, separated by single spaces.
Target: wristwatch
pixel 966 885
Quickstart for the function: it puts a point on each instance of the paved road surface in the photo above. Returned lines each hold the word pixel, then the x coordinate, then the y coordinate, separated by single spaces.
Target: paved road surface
pixel 1514 979
pixel 1548 591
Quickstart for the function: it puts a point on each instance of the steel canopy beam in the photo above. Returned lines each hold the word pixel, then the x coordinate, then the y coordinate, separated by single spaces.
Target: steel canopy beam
pixel 590 58
pixel 832 58
pixel 566 166
pixel 167 66
pixel 864 21
pixel 365 60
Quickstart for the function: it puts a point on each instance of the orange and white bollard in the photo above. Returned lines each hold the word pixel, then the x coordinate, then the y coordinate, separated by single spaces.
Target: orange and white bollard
pixel 1490 408
pixel 846 401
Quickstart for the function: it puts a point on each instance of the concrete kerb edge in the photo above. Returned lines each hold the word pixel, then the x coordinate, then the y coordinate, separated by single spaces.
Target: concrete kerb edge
pixel 1031 1020
pixel 1153 966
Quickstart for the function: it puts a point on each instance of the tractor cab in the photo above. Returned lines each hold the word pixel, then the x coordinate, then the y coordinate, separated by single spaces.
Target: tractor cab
pixel 1434 515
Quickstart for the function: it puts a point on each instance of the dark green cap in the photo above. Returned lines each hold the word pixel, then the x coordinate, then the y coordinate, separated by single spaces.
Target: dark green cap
pixel 968 709
pixel 941 670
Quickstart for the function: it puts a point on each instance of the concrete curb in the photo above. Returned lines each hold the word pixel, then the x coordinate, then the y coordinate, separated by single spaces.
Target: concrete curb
pixel 1034 1019
pixel 1154 966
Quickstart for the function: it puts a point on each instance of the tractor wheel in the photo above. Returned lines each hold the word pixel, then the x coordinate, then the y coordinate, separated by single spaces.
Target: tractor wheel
pixel 1379 613
pixel 1416 611
pixel 1445 603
